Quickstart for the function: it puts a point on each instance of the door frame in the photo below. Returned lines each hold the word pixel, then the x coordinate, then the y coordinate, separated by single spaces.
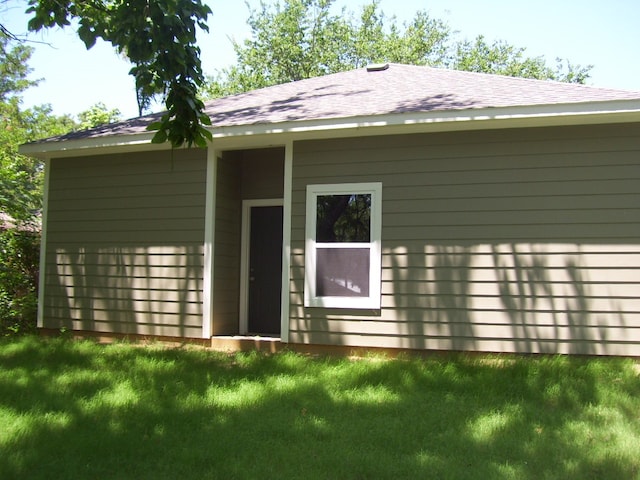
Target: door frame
pixel 245 246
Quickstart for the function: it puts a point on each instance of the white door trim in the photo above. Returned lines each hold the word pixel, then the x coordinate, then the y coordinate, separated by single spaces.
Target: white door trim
pixel 247 205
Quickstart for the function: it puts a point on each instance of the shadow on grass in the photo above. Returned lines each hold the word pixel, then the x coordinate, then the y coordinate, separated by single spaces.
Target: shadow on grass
pixel 78 410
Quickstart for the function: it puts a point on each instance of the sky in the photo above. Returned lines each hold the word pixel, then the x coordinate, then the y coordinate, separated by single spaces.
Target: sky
pixel 602 33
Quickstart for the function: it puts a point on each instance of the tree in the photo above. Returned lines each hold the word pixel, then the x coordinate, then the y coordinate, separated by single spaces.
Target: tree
pixel 159 38
pixel 303 39
pixel 13 68
pixel 504 59
pixel 97 115
pixel 297 39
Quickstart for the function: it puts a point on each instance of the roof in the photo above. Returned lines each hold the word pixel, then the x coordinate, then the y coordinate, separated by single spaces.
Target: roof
pixel 398 89
pixel 404 90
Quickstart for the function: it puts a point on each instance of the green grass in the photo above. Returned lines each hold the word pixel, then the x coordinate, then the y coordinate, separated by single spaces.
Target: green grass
pixel 77 410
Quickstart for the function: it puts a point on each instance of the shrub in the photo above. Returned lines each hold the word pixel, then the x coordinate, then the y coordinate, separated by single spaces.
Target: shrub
pixel 19 263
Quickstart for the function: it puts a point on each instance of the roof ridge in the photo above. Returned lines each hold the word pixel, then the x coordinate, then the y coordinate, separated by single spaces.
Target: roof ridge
pixel 515 78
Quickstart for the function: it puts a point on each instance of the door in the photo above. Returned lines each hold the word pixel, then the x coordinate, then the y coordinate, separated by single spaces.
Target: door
pixel 265 270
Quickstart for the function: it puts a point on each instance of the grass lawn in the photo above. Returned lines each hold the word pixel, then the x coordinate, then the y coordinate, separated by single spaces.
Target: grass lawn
pixel 77 410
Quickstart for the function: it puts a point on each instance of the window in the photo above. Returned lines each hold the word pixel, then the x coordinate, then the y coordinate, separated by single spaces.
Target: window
pixel 342 257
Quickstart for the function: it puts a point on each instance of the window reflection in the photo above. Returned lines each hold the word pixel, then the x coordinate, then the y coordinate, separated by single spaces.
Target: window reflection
pixel 342 272
pixel 343 218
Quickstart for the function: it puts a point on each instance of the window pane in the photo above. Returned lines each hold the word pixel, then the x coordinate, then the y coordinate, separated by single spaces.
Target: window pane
pixel 342 272
pixel 343 218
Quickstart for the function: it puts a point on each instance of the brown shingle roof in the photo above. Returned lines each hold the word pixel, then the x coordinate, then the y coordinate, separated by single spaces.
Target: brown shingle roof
pixel 400 89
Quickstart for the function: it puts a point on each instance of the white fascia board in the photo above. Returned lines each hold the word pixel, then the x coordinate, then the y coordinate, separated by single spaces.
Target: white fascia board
pixel 451 120
pixel 92 146
pixel 619 111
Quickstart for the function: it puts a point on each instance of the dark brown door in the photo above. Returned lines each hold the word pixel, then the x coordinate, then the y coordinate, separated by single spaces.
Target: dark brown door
pixel 265 270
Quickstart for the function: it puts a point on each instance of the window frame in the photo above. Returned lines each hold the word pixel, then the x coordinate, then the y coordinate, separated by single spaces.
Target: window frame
pixel 372 301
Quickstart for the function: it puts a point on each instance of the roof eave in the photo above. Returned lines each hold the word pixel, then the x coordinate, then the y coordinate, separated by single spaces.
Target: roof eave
pixel 621 111
pixel 440 121
pixel 99 145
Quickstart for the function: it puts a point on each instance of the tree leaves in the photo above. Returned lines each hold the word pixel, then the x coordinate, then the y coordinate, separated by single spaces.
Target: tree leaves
pixel 98 114
pixel 505 59
pixel 296 39
pixel 159 38
pixel 13 68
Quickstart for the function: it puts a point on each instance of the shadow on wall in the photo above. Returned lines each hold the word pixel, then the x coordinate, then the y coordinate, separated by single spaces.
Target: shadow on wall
pixel 147 290
pixel 510 297
pixel 521 297
pixel 125 236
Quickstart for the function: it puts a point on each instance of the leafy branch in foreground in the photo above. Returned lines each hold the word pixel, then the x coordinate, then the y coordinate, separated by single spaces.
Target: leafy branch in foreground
pixel 159 38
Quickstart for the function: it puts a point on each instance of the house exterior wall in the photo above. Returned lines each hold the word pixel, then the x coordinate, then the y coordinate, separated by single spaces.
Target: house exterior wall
pixel 226 266
pixel 124 249
pixel 523 240
pixel 263 173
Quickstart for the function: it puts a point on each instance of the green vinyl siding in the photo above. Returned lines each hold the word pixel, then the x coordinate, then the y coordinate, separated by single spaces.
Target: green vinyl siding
pixel 226 277
pixel 125 238
pixel 523 240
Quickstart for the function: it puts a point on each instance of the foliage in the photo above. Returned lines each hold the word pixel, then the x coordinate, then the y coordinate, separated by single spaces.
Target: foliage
pixel 19 253
pixel 297 39
pixel 304 39
pixel 504 59
pixel 159 38
pixel 97 115
pixel 77 410
pixel 20 176
pixel 13 68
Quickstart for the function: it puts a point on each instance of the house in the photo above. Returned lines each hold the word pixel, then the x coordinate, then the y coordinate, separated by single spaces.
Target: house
pixel 394 206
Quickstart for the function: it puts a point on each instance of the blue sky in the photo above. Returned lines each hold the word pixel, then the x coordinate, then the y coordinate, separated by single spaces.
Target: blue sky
pixel 603 33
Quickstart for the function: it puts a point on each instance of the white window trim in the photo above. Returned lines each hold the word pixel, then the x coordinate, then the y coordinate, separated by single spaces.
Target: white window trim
pixel 373 300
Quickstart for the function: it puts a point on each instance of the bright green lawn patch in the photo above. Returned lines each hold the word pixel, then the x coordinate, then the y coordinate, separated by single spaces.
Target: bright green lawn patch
pixel 76 410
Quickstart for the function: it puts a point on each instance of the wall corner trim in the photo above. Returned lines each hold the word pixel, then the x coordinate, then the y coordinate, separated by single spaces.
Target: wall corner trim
pixel 209 234
pixel 286 241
